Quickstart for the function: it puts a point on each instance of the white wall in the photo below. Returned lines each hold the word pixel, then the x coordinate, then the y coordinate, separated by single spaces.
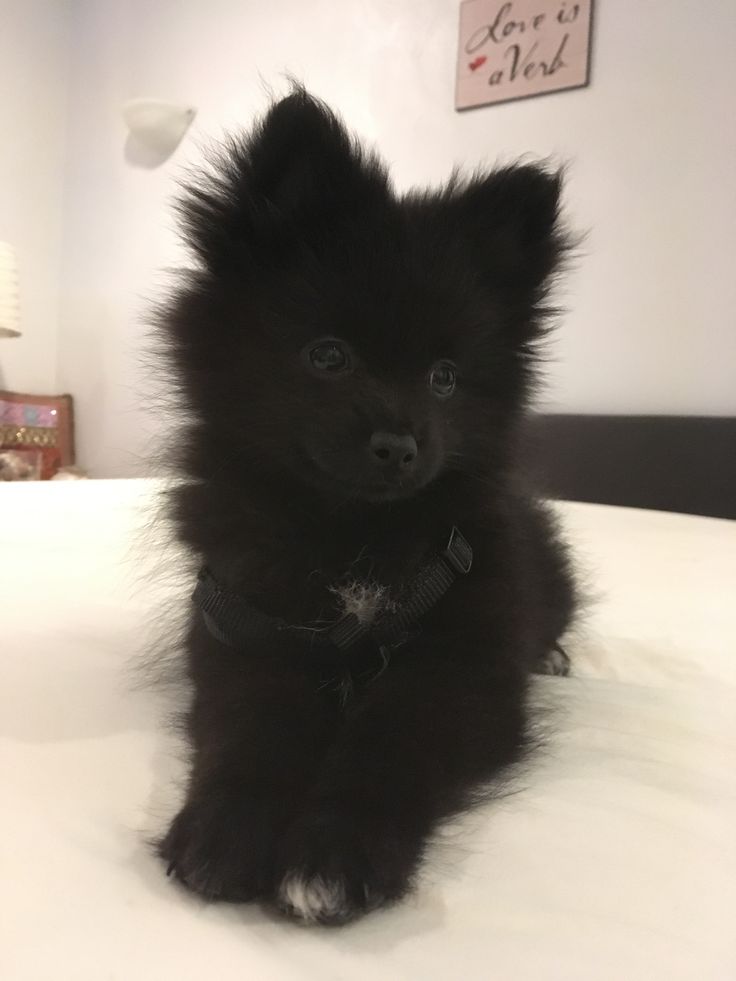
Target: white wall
pixel 651 145
pixel 34 53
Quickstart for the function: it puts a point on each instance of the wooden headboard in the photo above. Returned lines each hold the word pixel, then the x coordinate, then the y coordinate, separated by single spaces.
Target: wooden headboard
pixel 667 463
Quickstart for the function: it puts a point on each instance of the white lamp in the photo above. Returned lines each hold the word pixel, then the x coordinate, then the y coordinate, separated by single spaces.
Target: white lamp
pixel 159 125
pixel 9 307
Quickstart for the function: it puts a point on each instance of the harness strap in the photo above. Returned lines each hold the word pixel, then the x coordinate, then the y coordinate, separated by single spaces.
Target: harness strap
pixel 235 621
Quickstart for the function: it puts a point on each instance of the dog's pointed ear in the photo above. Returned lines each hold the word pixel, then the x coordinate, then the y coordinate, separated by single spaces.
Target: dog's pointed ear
pixel 304 159
pixel 512 218
pixel 298 167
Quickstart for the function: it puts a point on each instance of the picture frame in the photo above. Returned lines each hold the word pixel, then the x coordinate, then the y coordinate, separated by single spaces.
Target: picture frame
pixel 519 49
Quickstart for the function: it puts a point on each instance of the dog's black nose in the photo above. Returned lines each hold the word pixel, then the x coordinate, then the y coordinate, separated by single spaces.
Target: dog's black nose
pixel 392 451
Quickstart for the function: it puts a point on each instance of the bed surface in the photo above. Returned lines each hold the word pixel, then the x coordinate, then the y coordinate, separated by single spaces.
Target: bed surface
pixel 615 857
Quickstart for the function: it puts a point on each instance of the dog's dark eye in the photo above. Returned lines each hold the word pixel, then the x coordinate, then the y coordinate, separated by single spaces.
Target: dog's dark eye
pixel 442 378
pixel 329 356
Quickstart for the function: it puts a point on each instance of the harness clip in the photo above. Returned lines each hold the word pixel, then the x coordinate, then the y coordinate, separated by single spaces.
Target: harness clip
pixel 459 553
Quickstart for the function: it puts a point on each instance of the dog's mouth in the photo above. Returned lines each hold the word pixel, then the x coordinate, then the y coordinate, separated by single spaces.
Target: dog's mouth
pixel 374 491
pixel 388 491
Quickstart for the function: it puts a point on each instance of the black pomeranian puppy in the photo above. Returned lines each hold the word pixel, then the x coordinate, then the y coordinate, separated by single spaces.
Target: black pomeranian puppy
pixel 376 585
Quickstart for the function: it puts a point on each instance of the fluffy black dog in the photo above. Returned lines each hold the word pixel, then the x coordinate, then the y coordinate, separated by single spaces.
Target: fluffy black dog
pixel 356 364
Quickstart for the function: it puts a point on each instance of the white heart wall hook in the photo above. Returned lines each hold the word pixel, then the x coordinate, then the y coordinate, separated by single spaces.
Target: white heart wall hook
pixel 158 125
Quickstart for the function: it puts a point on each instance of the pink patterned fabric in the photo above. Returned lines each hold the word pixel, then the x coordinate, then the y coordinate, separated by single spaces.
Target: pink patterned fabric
pixel 22 414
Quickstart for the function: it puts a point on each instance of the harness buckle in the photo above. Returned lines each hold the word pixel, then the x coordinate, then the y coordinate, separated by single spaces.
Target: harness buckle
pixel 458 553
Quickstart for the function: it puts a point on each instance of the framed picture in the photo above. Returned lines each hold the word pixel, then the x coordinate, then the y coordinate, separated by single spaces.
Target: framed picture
pixel 515 49
pixel 41 424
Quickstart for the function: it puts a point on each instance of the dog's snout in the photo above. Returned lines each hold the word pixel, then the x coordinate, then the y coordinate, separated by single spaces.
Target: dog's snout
pixel 393 451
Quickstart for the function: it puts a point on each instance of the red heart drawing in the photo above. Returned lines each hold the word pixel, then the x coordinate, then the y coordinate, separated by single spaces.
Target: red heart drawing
pixel 477 62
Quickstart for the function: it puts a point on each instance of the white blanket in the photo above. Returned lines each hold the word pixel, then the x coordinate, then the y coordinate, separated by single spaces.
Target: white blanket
pixel 615 859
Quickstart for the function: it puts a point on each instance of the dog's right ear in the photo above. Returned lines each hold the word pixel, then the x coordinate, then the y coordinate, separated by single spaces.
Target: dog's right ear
pixel 299 167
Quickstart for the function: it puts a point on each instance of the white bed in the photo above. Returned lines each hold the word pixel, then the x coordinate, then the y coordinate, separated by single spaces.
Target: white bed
pixel 616 858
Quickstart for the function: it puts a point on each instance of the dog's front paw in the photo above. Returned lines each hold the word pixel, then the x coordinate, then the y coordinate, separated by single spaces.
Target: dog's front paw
pixel 333 869
pixel 221 850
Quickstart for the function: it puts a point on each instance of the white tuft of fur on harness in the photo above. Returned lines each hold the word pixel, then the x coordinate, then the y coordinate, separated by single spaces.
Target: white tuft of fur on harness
pixel 367 600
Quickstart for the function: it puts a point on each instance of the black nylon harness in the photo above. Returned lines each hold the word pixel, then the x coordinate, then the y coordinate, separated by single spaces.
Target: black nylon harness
pixel 233 620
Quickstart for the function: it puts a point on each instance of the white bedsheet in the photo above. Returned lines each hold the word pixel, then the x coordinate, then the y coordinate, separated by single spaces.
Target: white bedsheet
pixel 615 859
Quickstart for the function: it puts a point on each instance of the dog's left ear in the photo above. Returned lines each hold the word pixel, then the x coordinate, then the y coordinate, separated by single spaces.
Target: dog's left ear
pixel 512 217
pixel 297 171
pixel 303 161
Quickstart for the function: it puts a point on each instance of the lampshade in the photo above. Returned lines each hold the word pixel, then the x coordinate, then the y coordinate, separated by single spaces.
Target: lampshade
pixel 9 309
pixel 159 125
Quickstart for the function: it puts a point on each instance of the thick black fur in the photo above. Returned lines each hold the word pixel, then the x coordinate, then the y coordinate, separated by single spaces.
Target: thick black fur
pixel 296 797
